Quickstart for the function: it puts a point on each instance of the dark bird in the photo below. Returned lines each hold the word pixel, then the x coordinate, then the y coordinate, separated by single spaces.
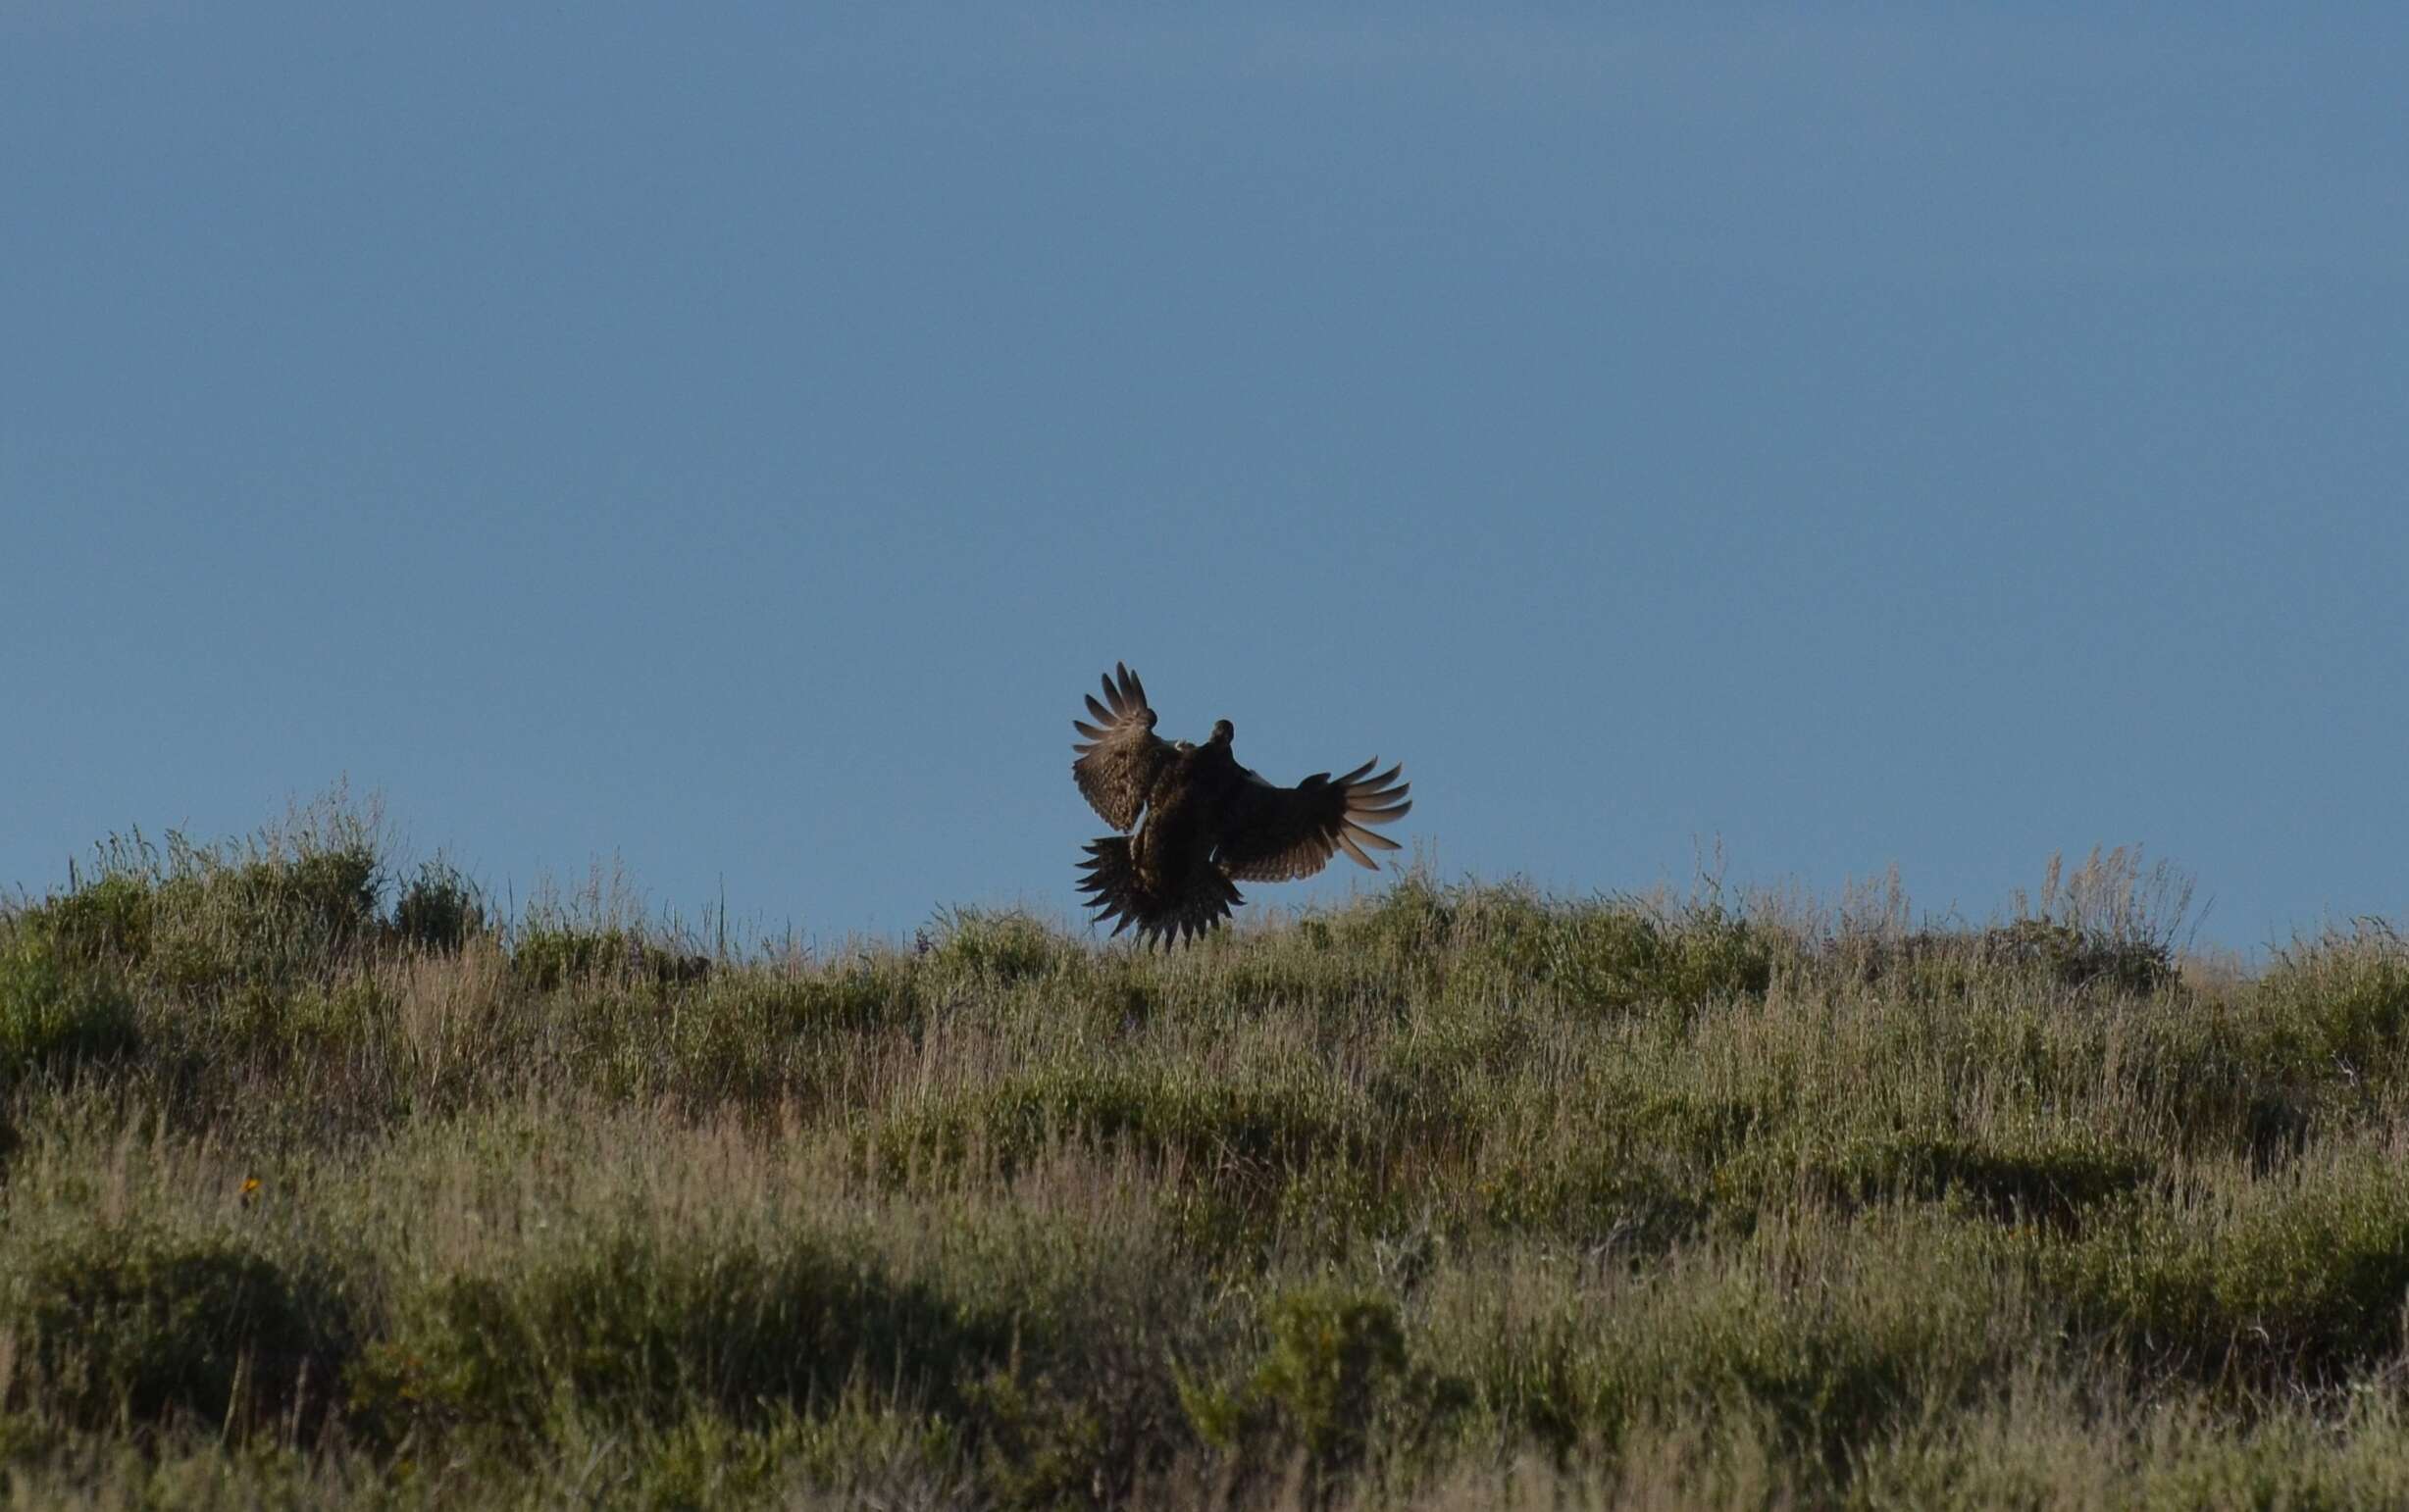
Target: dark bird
pixel 1203 823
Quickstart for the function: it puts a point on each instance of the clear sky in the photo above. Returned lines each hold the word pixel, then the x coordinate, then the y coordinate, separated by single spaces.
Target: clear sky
pixel 732 438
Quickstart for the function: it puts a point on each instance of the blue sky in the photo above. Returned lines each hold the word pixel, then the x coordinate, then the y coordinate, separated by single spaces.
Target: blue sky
pixel 733 438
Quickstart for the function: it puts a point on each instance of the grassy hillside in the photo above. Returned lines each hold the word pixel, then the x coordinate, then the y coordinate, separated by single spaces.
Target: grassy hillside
pixel 322 1188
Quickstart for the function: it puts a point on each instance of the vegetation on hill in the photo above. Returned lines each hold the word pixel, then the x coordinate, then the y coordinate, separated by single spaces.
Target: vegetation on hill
pixel 325 1185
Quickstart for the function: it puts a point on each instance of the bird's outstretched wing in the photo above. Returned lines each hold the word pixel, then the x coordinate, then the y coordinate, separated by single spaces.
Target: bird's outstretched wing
pixel 1121 757
pixel 1273 834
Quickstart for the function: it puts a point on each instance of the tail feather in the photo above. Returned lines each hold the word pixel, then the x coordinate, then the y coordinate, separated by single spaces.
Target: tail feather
pixel 1116 892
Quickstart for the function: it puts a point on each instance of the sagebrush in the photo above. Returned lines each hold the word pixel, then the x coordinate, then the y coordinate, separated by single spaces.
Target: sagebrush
pixel 328 1182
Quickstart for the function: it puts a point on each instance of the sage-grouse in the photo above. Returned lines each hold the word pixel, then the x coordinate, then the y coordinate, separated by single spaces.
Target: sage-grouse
pixel 1203 823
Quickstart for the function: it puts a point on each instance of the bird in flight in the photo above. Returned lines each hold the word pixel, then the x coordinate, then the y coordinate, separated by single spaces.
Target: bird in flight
pixel 1195 823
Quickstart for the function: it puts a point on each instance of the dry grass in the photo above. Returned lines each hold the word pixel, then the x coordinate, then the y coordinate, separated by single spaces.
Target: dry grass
pixel 1457 1196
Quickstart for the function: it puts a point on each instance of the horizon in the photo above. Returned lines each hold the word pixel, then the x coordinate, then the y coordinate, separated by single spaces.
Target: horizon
pixel 2118 893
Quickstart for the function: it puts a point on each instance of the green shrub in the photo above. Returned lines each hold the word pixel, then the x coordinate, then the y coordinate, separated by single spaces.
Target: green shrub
pixel 997 946
pixel 1436 1081
pixel 2079 958
pixel 440 908
pixel 279 1027
pixel 106 920
pixel 1703 1214
pixel 1612 953
pixel 264 919
pixel 746 1033
pixel 868 994
pixel 330 891
pixel 747 1038
pixel 860 1451
pixel 2344 997
pixel 1947 965
pixel 2043 1178
pixel 1413 919
pixel 639 1331
pixel 1620 958
pixel 53 1013
pixel 1629 1205
pixel 548 958
pixel 1243 1132
pixel 1038 1446
pixel 196 918
pixel 119 1319
pixel 2300 1285
pixel 1334 1380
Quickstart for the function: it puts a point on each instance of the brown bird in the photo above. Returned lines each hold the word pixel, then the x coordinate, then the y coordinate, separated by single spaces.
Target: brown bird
pixel 1207 823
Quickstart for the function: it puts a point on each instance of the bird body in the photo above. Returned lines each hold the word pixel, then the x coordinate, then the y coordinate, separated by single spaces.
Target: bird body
pixel 1199 820
pixel 1179 806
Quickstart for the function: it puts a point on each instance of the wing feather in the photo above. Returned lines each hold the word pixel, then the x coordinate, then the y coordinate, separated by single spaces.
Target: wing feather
pixel 1271 834
pixel 1121 756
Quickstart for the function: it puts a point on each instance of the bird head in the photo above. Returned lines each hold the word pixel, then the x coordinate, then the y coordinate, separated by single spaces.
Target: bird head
pixel 1223 730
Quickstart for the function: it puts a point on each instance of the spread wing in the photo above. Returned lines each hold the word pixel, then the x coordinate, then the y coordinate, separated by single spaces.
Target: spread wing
pixel 1277 833
pixel 1121 757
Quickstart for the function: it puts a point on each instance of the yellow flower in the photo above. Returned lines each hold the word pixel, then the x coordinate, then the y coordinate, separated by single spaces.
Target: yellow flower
pixel 250 1187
